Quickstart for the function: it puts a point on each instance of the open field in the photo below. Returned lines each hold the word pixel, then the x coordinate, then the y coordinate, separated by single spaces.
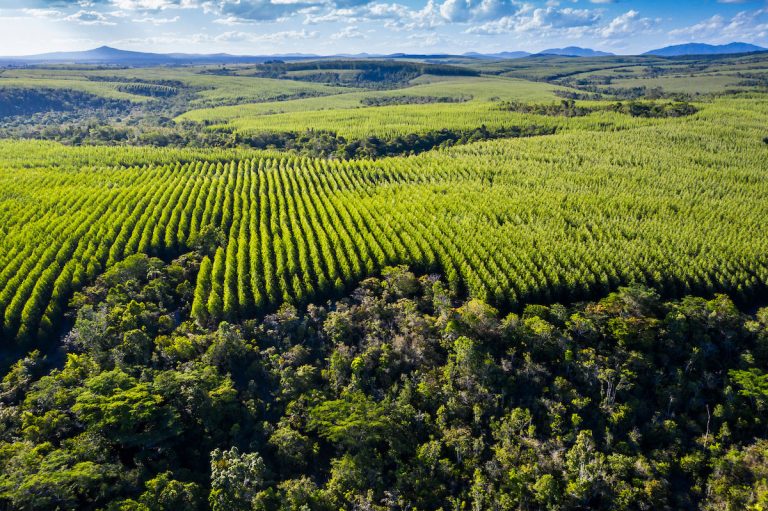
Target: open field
pixel 698 84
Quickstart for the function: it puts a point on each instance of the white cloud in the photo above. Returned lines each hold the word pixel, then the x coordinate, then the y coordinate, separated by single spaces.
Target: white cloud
pixel 456 10
pixel 625 25
pixel 250 37
pixel 43 13
pixel 394 16
pixel 315 16
pixel 743 26
pixel 350 32
pixel 473 10
pixel 154 5
pixel 89 18
pixel 549 20
pixel 156 21
pixel 260 10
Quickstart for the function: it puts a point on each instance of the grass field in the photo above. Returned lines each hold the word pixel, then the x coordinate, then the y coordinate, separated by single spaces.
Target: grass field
pixel 102 89
pixel 336 112
pixel 207 89
pixel 696 84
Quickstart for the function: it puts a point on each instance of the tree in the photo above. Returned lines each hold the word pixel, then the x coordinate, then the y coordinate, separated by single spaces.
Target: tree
pixel 235 479
pixel 215 300
pixel 754 385
pixel 352 421
pixel 163 493
pixel 202 292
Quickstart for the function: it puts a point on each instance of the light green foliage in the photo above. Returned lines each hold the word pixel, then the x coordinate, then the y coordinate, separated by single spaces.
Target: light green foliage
pixel 752 384
pixel 352 421
pixel 235 479
pixel 207 89
pixel 609 208
pixel 202 290
pixel 115 401
pixel 478 90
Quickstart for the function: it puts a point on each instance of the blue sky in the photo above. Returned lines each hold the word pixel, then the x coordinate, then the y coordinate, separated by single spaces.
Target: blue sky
pixel 379 26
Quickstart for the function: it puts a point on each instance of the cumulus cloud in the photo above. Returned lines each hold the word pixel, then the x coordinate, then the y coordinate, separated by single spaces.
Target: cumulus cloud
pixel 745 25
pixel 545 20
pixel 314 16
pixel 89 18
pixel 392 16
pixel 350 32
pixel 343 4
pixel 561 18
pixel 251 37
pixel 628 24
pixel 43 13
pixel 154 5
pixel 473 10
pixel 156 21
pixel 259 10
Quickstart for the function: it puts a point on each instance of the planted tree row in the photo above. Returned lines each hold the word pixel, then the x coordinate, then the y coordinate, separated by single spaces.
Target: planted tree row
pixel 517 221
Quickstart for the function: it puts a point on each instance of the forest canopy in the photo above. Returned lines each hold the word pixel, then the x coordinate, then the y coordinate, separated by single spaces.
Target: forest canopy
pixel 397 396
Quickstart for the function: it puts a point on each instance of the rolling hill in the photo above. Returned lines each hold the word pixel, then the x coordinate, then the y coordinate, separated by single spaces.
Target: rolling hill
pixel 575 51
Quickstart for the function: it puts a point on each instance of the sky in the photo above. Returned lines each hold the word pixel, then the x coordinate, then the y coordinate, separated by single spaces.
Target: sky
pixel 325 27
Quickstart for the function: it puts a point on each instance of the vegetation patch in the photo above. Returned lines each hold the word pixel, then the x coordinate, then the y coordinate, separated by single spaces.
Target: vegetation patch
pixel 376 74
pixel 148 89
pixel 411 100
pixel 28 101
pixel 329 144
pixel 398 390
pixel 569 108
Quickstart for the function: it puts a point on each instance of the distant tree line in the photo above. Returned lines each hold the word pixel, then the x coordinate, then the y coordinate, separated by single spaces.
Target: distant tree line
pixel 314 143
pixel 569 108
pixel 380 74
pixel 24 102
pixel 411 100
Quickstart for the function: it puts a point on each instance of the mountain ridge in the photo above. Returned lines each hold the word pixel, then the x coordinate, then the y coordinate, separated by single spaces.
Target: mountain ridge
pixel 110 55
pixel 679 50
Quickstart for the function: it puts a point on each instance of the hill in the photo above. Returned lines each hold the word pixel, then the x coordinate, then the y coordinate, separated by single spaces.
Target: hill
pixel 575 51
pixel 109 55
pixel 499 55
pixel 705 49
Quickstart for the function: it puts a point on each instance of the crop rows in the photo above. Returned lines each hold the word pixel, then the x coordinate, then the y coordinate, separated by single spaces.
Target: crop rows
pixel 680 206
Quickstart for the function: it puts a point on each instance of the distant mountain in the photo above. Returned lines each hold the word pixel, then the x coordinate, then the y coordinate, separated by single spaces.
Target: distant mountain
pixel 107 55
pixel 575 51
pixel 704 49
pixel 500 55
pixel 97 55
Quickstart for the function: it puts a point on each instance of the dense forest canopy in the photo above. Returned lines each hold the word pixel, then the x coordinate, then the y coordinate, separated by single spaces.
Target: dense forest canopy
pixel 395 397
